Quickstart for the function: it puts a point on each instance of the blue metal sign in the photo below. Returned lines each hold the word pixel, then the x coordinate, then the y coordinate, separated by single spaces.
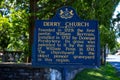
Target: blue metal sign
pixel 66 41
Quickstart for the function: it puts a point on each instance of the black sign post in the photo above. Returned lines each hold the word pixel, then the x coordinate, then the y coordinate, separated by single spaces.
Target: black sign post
pixel 66 41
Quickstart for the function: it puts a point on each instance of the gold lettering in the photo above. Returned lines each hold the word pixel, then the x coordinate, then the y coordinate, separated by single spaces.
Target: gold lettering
pixel 90 49
pixel 79 30
pixel 70 49
pixel 43 56
pixel 51 23
pixel 63 34
pixel 63 52
pixel 78 42
pixel 66 37
pixel 73 37
pixel 79 45
pixel 81 49
pixel 84 57
pixel 62 60
pixel 46 30
pixel 67 41
pixel 48 59
pixel 79 24
pixel 71 45
pixel 90 45
pixel 91 42
pixel 60 56
pixel 81 53
pixel 91 53
pixel 53 48
pixel 90 30
pixel 69 30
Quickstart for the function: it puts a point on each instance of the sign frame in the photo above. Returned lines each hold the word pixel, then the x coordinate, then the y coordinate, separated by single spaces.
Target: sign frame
pixel 66 16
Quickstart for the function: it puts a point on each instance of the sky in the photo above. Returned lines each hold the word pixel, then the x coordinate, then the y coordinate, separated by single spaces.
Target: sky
pixel 114 16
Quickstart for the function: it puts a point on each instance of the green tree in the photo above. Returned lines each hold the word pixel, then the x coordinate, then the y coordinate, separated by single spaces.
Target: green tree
pixel 116 24
pixel 17 14
pixel 116 28
pixel 4 33
pixel 98 10
pixel 107 37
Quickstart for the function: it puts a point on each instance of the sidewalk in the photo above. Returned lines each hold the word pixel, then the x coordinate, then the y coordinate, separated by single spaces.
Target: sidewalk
pixel 114 60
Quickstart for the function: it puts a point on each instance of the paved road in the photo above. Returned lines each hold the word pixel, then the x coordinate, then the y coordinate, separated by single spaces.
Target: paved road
pixel 114 60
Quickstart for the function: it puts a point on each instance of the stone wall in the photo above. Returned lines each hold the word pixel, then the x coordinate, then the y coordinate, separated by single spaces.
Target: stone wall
pixel 12 71
pixel 25 71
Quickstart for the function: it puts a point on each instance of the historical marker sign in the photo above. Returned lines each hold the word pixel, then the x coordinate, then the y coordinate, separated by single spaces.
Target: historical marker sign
pixel 66 41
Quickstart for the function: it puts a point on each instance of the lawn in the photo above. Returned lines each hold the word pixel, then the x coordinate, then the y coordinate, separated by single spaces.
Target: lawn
pixel 106 72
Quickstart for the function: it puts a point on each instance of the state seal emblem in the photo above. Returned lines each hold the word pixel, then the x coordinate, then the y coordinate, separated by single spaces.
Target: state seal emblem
pixel 66 14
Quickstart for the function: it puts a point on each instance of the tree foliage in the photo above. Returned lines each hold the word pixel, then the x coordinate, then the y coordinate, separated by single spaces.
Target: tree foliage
pixel 14 18
pixel 107 37
pixel 4 32
pixel 101 10
pixel 14 25
pixel 116 24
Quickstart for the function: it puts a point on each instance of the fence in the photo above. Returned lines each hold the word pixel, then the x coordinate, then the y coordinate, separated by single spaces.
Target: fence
pixel 12 56
pixel 24 71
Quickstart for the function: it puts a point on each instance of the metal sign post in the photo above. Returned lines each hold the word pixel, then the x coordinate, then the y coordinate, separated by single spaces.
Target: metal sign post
pixel 64 73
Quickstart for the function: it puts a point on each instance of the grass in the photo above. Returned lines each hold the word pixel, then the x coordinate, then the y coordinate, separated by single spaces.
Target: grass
pixel 106 72
pixel 0 59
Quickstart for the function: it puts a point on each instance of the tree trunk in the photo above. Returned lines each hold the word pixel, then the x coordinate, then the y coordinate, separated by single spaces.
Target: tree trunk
pixel 33 10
